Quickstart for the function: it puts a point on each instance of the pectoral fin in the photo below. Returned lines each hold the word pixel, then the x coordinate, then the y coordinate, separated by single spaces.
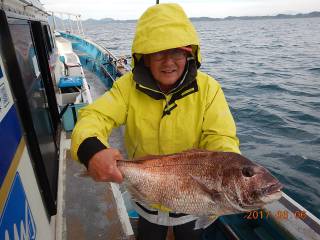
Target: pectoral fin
pixel 205 221
pixel 214 194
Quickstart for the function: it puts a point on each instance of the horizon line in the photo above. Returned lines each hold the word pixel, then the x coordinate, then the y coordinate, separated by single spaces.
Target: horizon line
pixel 272 15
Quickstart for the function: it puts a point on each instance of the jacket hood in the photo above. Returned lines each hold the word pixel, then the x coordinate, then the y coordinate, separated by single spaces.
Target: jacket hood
pixel 161 27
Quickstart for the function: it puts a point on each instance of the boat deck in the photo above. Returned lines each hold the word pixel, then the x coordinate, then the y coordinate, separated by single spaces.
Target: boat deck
pixel 90 210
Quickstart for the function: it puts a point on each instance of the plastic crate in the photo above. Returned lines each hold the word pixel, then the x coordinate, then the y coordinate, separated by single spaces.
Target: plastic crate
pixel 69 115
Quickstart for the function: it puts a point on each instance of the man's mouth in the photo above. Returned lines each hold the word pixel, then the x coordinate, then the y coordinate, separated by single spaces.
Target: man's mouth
pixel 168 71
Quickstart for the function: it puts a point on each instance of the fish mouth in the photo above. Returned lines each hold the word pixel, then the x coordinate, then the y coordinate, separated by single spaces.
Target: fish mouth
pixel 273 188
pixel 264 195
pixel 271 193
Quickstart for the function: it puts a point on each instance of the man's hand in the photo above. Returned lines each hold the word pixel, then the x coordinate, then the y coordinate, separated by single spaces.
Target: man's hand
pixel 103 166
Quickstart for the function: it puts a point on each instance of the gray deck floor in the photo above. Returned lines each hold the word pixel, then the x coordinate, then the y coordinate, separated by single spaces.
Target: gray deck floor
pixel 97 88
pixel 90 210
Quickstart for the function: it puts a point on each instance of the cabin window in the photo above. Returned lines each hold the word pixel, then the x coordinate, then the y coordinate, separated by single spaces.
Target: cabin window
pixel 27 82
pixel 48 38
pixel 42 46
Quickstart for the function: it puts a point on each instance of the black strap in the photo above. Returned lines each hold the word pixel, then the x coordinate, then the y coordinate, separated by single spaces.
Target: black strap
pixel 147 210
pixel 177 215
pixel 171 214
pixel 73 109
pixel 64 109
pixel 74 114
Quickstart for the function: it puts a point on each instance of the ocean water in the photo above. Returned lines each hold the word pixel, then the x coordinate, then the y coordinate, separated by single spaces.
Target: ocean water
pixel 270 73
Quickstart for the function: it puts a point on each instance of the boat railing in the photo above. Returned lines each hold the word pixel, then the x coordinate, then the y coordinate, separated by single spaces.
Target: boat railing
pixel 70 25
pixel 67 22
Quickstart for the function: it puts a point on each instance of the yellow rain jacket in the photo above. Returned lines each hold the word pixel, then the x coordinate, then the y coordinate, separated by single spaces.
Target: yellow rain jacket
pixel 193 115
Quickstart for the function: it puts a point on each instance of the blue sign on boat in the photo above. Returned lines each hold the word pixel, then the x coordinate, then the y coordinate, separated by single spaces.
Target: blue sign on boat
pixel 16 220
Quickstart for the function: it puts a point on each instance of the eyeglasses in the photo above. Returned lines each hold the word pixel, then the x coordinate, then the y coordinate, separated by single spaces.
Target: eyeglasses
pixel 175 54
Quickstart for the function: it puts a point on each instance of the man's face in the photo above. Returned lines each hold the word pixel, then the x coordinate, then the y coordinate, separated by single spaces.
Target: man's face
pixel 166 66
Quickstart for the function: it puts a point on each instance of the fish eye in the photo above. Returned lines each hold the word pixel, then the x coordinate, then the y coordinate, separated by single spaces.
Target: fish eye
pixel 247 171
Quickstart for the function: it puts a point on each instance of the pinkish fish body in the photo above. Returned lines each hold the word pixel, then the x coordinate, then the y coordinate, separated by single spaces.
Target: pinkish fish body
pixel 200 182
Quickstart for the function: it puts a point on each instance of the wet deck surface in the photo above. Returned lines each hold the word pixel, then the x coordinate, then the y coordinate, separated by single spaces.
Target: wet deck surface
pixel 90 209
pixel 97 88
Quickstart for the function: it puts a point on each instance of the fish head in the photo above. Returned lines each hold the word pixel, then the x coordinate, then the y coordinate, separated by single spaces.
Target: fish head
pixel 248 185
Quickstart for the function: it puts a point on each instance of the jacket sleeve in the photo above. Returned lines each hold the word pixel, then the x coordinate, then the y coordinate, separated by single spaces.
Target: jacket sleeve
pixel 218 128
pixel 96 121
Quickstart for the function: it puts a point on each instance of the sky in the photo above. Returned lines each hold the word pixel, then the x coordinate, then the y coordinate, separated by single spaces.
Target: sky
pixel 132 9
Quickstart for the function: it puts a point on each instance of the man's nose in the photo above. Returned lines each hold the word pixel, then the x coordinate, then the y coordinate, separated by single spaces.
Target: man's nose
pixel 168 59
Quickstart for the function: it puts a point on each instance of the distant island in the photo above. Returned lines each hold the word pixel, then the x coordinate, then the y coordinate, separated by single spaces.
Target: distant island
pixel 314 14
pixel 279 16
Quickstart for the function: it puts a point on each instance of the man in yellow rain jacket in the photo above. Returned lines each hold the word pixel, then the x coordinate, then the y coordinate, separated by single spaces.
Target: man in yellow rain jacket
pixel 167 106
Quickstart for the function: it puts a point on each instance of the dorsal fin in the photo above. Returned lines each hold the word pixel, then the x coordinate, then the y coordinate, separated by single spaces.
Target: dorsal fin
pixel 196 150
pixel 147 157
